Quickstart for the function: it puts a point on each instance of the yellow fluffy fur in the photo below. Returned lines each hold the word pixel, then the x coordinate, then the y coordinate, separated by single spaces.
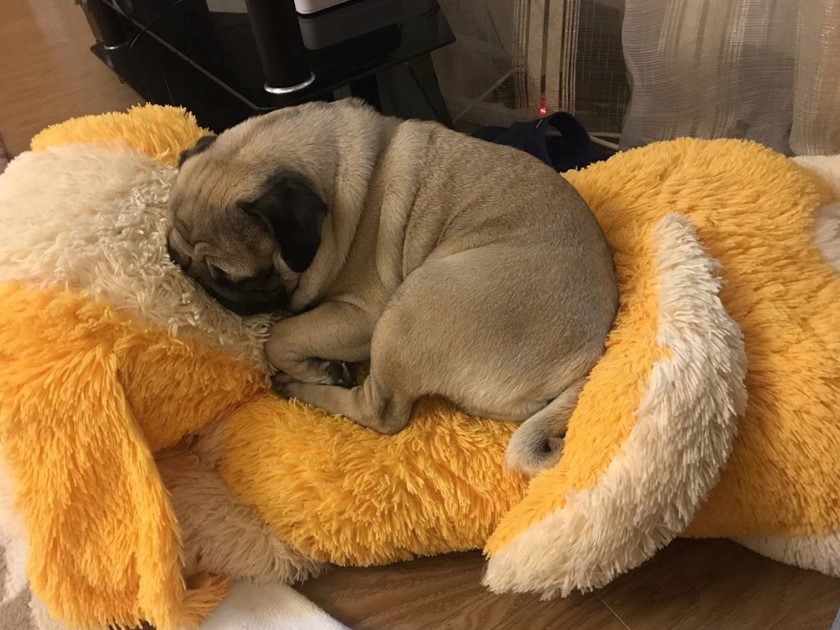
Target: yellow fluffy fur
pixel 347 495
pixel 88 395
pixel 162 132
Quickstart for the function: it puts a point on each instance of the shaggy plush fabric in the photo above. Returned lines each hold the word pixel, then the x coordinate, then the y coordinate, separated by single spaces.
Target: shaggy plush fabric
pixel 712 413
pixel 753 212
pixel 93 220
pixel 80 453
pixel 158 132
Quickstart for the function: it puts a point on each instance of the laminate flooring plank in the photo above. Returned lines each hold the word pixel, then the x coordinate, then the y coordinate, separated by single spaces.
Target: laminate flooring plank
pixel 719 585
pixel 47 72
pixel 445 592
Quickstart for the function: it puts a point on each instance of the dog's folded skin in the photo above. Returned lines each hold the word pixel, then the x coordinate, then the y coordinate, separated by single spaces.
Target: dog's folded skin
pixel 459 268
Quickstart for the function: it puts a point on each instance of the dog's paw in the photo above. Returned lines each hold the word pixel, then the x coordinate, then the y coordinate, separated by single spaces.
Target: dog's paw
pixel 280 383
pixel 315 372
pixel 338 373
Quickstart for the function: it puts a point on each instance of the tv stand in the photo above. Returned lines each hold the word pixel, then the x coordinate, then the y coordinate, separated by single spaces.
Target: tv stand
pixel 228 60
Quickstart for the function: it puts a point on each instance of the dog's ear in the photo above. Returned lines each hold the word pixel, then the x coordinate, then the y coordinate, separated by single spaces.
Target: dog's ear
pixel 293 213
pixel 202 144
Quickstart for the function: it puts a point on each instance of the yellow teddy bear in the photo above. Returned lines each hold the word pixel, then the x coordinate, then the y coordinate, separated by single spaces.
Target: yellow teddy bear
pixel 148 461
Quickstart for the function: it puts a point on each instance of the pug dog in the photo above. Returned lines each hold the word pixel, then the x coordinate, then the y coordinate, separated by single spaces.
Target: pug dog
pixel 458 268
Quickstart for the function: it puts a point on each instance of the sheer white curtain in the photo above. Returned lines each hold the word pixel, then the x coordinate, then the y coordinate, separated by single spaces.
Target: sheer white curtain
pixel 767 70
pixel 515 59
pixel 816 102
pixel 480 75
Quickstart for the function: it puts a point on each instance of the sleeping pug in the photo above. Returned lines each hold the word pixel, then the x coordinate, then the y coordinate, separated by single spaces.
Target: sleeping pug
pixel 459 268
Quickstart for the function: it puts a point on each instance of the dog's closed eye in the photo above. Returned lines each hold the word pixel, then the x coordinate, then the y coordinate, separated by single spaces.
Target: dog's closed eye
pixel 218 274
pixel 265 274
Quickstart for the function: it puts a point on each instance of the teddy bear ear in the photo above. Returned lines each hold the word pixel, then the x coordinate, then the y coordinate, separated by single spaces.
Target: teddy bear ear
pixel 159 131
pixel 679 430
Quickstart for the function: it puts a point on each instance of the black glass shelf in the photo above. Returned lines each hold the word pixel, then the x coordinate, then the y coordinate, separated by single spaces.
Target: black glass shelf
pixel 238 45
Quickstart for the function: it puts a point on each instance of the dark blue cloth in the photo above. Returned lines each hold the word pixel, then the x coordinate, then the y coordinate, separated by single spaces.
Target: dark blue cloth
pixel 571 149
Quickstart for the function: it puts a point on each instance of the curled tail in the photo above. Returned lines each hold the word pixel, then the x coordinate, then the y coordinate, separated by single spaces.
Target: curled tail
pixel 538 442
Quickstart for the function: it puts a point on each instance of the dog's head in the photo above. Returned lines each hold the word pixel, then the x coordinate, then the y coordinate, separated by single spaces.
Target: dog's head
pixel 243 231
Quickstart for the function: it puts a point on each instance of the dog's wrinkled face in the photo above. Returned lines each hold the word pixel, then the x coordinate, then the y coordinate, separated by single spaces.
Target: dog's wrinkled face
pixel 246 240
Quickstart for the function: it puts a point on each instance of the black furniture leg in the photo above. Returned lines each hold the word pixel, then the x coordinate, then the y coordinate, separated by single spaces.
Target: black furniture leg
pixel 279 45
pixel 106 25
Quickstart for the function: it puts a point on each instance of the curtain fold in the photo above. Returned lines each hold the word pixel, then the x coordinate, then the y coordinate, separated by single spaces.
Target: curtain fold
pixel 517 59
pixel 764 70
pixel 816 104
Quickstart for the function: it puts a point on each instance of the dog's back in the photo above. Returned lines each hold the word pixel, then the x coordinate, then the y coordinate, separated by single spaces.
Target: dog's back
pixel 514 275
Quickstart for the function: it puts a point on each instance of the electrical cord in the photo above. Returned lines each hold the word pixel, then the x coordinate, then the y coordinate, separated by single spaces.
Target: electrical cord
pixel 597 137
pixel 151 24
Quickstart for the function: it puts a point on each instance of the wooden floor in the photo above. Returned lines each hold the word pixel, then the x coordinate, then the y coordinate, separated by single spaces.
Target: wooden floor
pixel 48 75
pixel 695 585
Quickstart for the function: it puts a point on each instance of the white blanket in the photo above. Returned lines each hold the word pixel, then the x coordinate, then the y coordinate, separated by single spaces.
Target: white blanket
pixel 268 607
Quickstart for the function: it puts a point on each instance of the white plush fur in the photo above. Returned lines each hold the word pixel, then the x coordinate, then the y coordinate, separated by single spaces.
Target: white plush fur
pixel 13 542
pixel 97 223
pixel 806 552
pixel 219 534
pixel 826 218
pixel 685 431
pixel 827 233
pixel 827 167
